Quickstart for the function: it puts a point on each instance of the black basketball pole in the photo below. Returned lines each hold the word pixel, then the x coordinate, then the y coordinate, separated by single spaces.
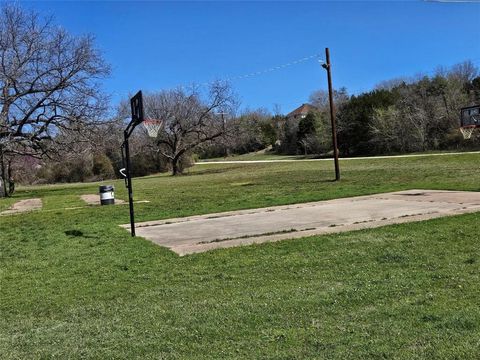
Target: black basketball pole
pixel 129 184
pixel 327 66
pixel 136 104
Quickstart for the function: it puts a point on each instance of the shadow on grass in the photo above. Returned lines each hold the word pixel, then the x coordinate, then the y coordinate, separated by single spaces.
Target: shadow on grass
pixel 78 233
pixel 207 171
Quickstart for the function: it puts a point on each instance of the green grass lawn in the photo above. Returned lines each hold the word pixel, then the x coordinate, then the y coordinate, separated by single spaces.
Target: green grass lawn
pixel 258 155
pixel 270 155
pixel 75 285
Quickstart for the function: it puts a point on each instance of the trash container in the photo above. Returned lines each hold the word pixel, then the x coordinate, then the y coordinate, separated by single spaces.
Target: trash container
pixel 107 195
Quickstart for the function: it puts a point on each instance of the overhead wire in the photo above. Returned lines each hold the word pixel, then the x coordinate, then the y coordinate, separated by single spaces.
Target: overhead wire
pixel 255 73
pixel 273 68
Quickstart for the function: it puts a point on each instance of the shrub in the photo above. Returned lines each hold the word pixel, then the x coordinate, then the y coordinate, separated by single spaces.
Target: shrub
pixel 102 167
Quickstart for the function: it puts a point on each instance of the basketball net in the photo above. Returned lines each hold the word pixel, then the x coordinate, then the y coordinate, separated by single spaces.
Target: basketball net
pixel 467 131
pixel 153 126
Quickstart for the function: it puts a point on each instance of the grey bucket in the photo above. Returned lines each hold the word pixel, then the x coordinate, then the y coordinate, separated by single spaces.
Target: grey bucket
pixel 107 195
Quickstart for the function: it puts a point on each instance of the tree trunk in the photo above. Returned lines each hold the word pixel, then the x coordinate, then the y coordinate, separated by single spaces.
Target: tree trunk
pixel 175 169
pixel 3 176
pixel 11 182
pixel 2 192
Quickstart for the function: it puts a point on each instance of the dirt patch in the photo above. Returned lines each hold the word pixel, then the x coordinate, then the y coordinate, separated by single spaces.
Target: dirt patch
pixel 94 199
pixel 24 206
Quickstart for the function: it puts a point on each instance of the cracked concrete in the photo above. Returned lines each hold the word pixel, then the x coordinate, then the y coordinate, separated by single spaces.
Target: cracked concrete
pixel 212 231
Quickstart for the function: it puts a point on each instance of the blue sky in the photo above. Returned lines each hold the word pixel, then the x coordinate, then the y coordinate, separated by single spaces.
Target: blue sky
pixel 160 45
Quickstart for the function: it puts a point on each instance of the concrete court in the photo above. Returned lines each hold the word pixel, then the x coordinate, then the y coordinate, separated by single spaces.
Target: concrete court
pixel 212 231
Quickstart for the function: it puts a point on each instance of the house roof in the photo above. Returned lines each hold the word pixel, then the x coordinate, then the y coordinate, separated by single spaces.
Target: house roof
pixel 302 110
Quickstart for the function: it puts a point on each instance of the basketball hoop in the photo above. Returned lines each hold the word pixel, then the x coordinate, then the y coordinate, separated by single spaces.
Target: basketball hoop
pixel 153 126
pixel 469 120
pixel 467 131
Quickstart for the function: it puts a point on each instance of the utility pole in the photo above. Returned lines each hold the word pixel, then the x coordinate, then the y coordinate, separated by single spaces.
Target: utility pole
pixel 327 66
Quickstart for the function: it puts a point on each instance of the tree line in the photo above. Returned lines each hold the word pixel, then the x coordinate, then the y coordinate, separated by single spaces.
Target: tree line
pixel 399 116
pixel 55 124
pixel 409 115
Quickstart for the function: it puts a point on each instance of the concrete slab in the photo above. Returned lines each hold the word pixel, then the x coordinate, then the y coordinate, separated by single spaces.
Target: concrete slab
pixel 212 231
pixel 23 206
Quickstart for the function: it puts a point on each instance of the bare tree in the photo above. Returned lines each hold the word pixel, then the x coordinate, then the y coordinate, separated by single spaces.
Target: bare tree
pixel 319 98
pixel 391 83
pixel 190 119
pixel 48 83
pixel 391 132
pixel 277 109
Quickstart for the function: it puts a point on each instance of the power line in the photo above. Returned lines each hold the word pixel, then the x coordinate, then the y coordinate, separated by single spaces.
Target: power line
pixel 274 68
pixel 255 73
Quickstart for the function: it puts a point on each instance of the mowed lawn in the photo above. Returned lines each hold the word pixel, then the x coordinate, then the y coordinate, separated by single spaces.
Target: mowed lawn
pixel 73 284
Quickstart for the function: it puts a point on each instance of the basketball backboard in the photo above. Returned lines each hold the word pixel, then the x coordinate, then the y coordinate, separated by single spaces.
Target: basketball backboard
pixel 470 116
pixel 136 104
